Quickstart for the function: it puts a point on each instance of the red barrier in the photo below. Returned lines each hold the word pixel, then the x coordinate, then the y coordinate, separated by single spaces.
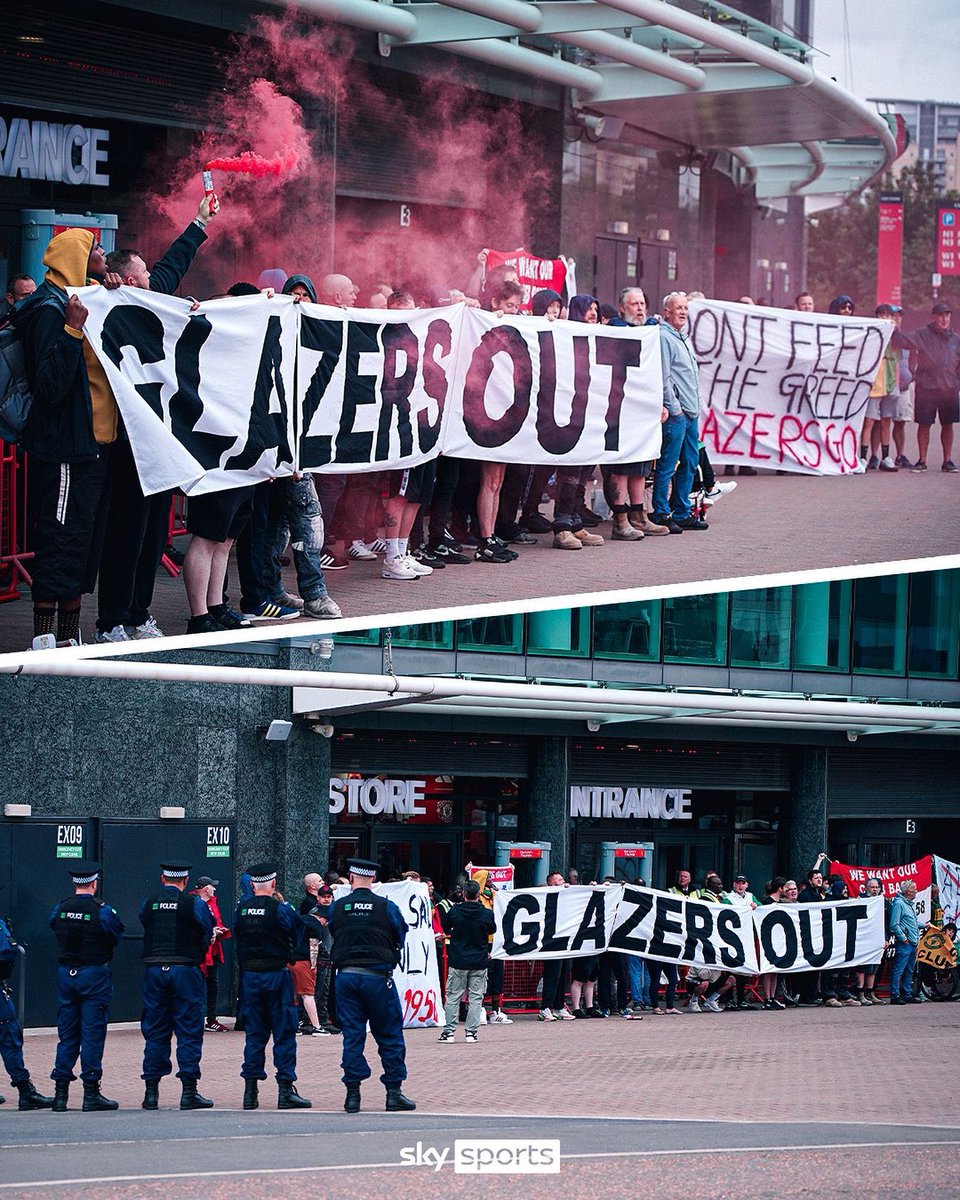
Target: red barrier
pixel 13 535
pixel 177 524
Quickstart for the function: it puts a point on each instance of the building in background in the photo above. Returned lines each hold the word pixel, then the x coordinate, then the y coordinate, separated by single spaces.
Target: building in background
pixel 934 132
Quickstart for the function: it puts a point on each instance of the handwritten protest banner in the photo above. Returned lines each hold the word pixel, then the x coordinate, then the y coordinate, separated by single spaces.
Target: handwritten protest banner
pixel 782 389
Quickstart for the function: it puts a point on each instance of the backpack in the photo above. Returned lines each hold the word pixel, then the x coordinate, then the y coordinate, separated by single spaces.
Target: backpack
pixel 15 394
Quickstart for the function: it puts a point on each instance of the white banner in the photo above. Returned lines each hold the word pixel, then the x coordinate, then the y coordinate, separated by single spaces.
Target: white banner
pixel 781 389
pixel 948 883
pixel 552 922
pixel 417 978
pixel 205 396
pixel 819 937
pixel 671 928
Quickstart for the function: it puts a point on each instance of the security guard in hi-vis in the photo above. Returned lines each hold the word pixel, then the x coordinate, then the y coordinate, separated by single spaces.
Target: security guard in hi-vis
pixel 177 929
pixel 368 935
pixel 265 931
pixel 11 1035
pixel 88 931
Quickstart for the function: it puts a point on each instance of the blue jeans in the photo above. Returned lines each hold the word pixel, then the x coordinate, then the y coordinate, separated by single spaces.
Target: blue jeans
pixel 639 980
pixel 298 513
pixel 679 455
pixel 901 977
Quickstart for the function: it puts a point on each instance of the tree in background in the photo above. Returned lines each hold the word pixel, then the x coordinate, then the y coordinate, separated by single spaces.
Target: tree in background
pixel 842 246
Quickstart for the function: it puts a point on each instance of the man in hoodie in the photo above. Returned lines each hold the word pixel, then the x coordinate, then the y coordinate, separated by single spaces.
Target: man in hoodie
pixel 470 925
pixel 285 509
pixel 72 424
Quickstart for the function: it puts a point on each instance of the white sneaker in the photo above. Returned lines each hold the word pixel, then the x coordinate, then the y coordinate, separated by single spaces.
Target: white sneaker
pixel 116 634
pixel 483 1016
pixel 719 490
pixel 377 546
pixel 360 550
pixel 545 1015
pixel 694 1005
pixel 397 568
pixel 149 629
pixel 563 1014
pixel 499 1018
pixel 711 1005
pixel 414 565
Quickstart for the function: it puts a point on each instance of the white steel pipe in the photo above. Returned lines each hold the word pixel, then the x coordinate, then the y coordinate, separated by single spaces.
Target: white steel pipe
pixel 622 49
pixel 531 62
pixel 364 14
pixel 511 12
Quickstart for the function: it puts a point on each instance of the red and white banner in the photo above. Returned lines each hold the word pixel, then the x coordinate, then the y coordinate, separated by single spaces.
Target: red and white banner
pixel 948 882
pixel 533 274
pixel 501 878
pixel 890 248
pixel 921 872
pixel 784 390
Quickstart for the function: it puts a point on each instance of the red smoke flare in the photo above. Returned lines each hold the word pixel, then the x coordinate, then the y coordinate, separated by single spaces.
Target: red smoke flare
pixel 249 163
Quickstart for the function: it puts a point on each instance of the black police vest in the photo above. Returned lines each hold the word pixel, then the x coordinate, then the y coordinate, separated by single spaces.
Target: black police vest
pixel 262 942
pixel 363 934
pixel 171 933
pixel 83 940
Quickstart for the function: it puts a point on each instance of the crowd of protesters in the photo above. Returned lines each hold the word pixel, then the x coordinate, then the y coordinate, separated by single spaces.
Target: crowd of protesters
pixel 92 528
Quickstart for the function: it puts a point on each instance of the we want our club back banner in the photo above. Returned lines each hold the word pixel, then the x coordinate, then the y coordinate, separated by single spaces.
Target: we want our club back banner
pixel 574 922
pixel 240 390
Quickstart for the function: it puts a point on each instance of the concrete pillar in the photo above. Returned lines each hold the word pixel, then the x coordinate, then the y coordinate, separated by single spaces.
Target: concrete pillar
pixel 807 825
pixel 548 786
pixel 306 816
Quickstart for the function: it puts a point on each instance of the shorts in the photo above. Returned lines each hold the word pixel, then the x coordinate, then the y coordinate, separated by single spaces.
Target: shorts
pixel 415 484
pixel 304 978
pixel 218 516
pixel 68 505
pixel 928 408
pixel 634 470
pixel 881 407
pixel 905 405
pixel 703 975
pixel 585 970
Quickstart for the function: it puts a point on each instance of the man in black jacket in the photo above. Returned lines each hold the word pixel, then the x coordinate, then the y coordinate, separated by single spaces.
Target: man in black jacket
pixel 470 925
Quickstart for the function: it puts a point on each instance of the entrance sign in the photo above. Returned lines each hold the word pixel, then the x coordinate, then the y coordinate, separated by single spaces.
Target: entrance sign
pixel 377 796
pixel 655 803
pixel 67 153
pixel 819 937
pixel 781 389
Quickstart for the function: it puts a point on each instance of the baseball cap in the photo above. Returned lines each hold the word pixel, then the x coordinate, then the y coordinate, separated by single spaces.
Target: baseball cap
pixel 740 879
pixel 938 310
pixel 206 881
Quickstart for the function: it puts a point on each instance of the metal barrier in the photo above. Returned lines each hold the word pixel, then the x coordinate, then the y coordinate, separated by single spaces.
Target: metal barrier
pixel 13 525
pixel 177 524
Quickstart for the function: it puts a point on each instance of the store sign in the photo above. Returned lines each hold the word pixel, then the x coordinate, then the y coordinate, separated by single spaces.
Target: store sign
pixel 651 803
pixel 378 797
pixel 67 153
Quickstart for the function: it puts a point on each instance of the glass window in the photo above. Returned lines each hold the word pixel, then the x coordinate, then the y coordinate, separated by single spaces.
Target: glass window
pixel 563 631
pixel 501 635
pixel 821 626
pixel 362 637
pixel 695 629
pixel 880 625
pixel 760 628
pixel 627 631
pixel 934 619
pixel 433 635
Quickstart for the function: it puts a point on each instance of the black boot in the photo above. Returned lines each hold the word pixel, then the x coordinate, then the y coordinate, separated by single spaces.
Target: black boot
pixel 398 1102
pixel 61 1092
pixel 251 1095
pixel 94 1100
pixel 191 1098
pixel 289 1096
pixel 352 1102
pixel 151 1093
pixel 31 1098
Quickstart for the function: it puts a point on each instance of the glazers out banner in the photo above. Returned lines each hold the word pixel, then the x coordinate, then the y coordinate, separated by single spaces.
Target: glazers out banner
pixel 781 389
pixel 578 921
pixel 247 389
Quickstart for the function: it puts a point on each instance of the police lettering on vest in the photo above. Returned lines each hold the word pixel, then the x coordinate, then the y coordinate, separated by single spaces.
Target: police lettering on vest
pixel 363 934
pixel 171 933
pixel 262 942
pixel 78 928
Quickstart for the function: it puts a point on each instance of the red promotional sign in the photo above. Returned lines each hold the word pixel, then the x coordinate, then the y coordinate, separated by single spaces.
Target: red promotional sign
pixel 526 852
pixel 533 273
pixel 890 248
pixel 948 241
pixel 629 852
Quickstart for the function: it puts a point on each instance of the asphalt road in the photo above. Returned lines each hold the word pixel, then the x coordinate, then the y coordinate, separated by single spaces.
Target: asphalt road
pixel 229 1154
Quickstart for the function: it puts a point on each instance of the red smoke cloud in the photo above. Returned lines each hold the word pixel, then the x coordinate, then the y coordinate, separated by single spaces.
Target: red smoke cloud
pixel 467 166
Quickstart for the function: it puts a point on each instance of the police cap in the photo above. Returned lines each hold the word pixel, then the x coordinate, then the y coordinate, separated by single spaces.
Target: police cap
pixel 84 871
pixel 262 872
pixel 363 867
pixel 176 868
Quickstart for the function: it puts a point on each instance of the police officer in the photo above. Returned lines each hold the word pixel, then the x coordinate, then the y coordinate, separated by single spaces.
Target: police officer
pixel 11 1035
pixel 88 931
pixel 368 935
pixel 177 930
pixel 266 931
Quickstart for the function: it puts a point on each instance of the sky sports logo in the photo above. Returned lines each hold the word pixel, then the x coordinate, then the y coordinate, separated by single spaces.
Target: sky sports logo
pixel 489 1156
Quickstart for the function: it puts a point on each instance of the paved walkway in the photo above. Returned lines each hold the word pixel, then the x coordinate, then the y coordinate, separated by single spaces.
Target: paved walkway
pixel 771 525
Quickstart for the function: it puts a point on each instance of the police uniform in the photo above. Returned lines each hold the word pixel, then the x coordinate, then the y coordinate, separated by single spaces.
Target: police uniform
pixel 265 932
pixel 177 930
pixel 11 1035
pixel 368 935
pixel 88 931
